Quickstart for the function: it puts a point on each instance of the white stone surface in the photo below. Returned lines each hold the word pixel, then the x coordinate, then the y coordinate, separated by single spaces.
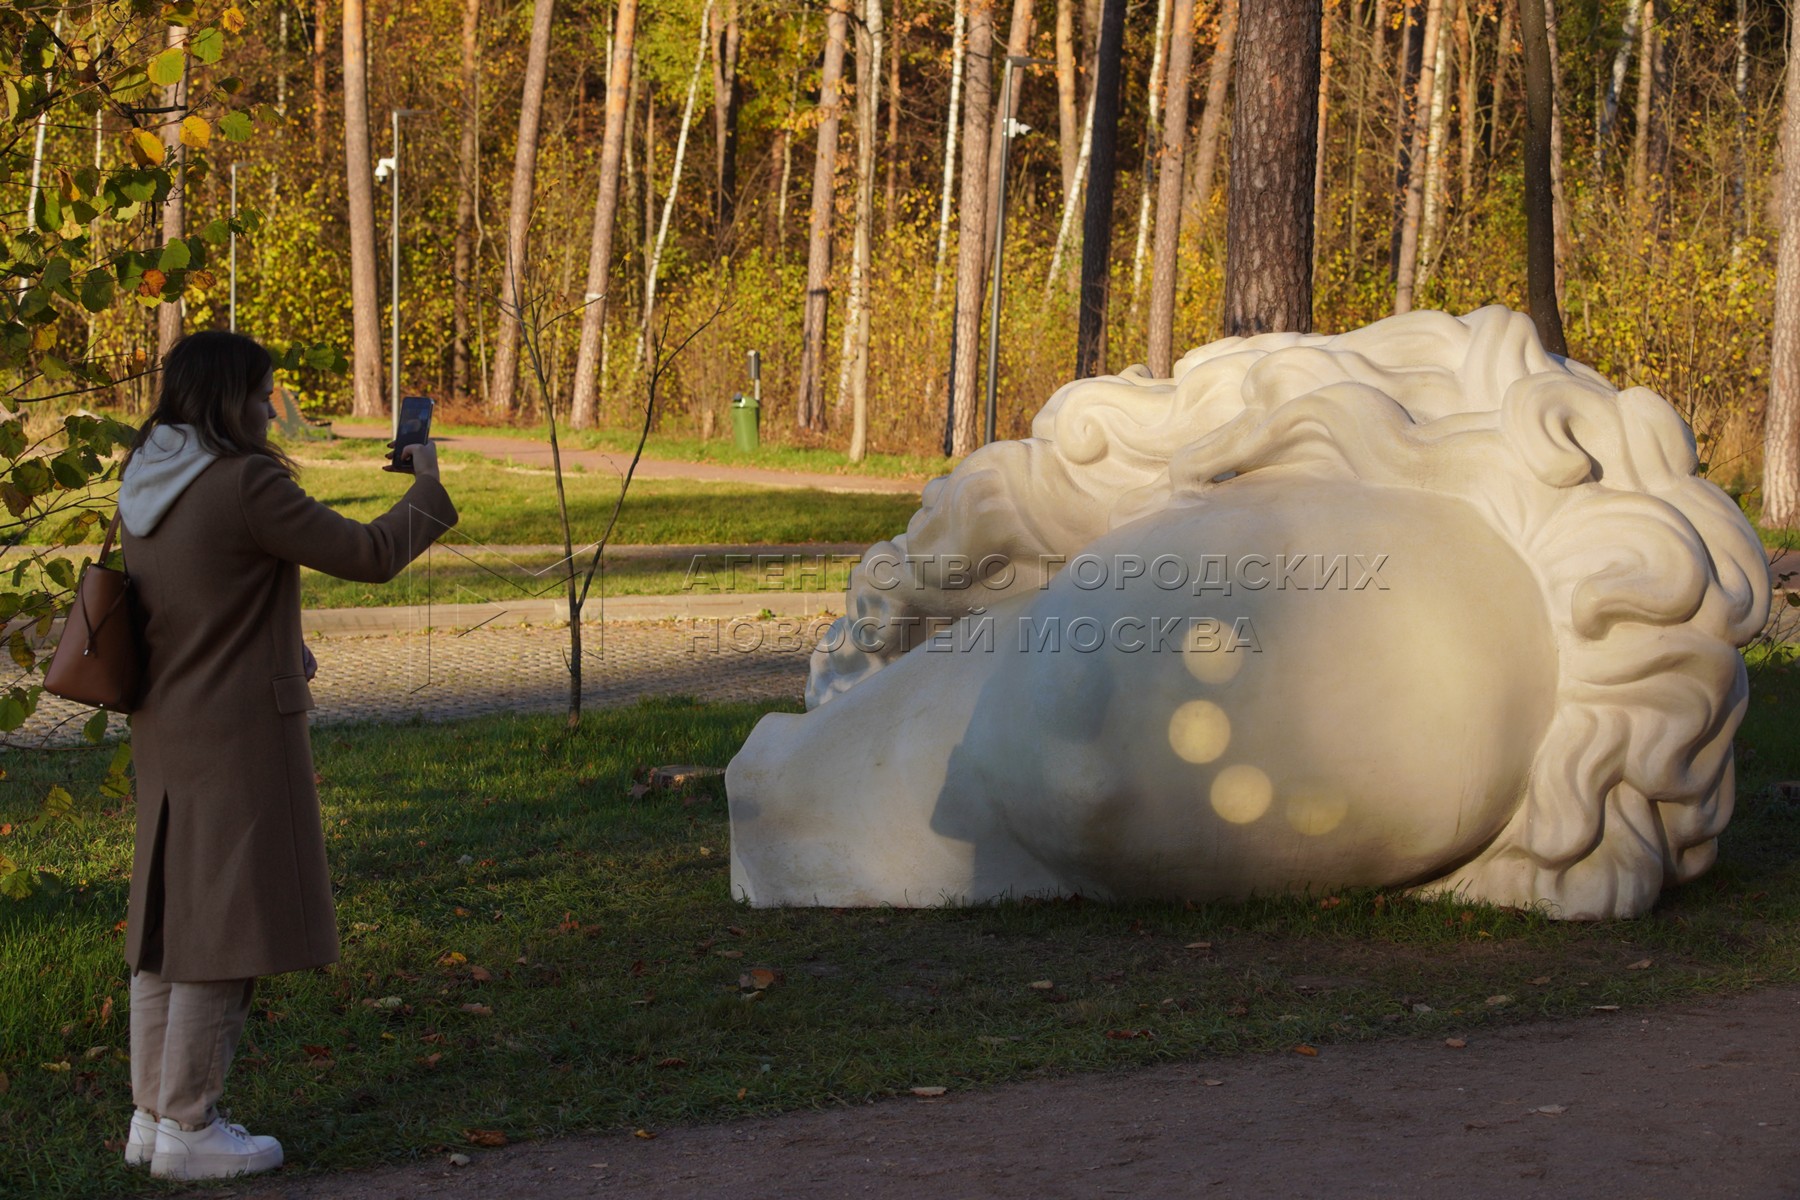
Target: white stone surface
pixel 1480 635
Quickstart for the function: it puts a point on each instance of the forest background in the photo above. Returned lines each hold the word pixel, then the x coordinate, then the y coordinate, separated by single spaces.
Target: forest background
pixel 752 131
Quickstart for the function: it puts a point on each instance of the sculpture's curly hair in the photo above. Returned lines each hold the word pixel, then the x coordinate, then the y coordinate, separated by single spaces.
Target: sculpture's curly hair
pixel 1651 576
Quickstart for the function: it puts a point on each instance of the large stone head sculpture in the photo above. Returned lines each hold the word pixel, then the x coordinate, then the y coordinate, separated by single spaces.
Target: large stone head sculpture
pixel 1415 605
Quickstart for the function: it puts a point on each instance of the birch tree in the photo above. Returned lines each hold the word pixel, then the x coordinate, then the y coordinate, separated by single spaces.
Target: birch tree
pixel 1781 421
pixel 809 408
pixel 1152 148
pixel 1068 129
pixel 653 264
pixel 958 57
pixel 725 42
pixel 855 380
pixel 1163 266
pixel 468 192
pixel 359 192
pixel 518 214
pixel 1406 269
pixel 174 209
pixel 971 224
pixel 582 400
pixel 1212 118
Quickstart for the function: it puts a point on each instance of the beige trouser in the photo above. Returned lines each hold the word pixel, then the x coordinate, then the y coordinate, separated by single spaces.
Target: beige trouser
pixel 183 1037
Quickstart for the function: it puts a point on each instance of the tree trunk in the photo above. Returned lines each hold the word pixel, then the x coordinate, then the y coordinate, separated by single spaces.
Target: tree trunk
pixel 320 102
pixel 1168 193
pixel 787 164
pixel 1466 115
pixel 1559 209
pixel 582 401
pixel 959 53
pixel 810 406
pixel 359 179
pixel 1540 214
pixel 1640 136
pixel 1502 52
pixel 1406 269
pixel 971 223
pixel 1781 422
pixel 1212 118
pixel 652 268
pixel 1097 217
pixel 1071 199
pixel 1152 145
pixel 174 209
pixel 1740 144
pixel 468 185
pixel 1406 121
pixel 514 274
pixel 1269 221
pixel 725 35
pixel 1018 43
pixel 891 196
pixel 1615 83
pixel 1068 128
pixel 1323 125
pixel 1431 219
pixel 868 89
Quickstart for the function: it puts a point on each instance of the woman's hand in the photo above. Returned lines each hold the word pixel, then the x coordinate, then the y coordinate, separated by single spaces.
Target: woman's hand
pixel 423 457
pixel 307 662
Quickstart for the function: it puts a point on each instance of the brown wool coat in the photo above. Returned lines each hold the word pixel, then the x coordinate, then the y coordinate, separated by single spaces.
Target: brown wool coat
pixel 229 878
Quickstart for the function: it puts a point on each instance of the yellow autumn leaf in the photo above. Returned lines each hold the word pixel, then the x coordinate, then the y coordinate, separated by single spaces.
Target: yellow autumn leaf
pixel 233 19
pixel 195 132
pixel 144 147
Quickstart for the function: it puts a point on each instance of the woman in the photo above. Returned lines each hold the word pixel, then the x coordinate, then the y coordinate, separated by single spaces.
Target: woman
pixel 229 880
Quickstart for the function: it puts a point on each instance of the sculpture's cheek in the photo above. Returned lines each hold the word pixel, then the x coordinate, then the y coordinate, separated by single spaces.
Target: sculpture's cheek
pixel 1306 731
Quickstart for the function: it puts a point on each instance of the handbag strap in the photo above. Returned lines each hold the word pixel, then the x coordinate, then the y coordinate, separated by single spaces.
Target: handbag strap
pixel 112 531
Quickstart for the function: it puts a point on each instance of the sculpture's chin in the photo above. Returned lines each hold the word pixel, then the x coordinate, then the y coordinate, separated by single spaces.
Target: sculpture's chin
pixel 1370 726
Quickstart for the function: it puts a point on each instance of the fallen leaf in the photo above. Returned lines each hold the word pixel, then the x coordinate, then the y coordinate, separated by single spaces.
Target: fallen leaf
pixel 1199 945
pixel 1455 1043
pixel 638 791
pixel 106 1010
pixel 1642 964
pixel 742 1092
pixel 734 931
pixel 1552 1110
pixel 673 1062
pixel 1042 985
pixel 453 958
pixel 757 978
pixel 386 1002
pixel 1497 1001
pixel 1130 1035
pixel 317 1053
pixel 485 1137
pixel 94 1052
pixel 479 1010
pixel 1331 902
pixel 929 1092
pixel 1540 981
pixel 731 954
pixel 460 1160
pixel 643 1133
pixel 431 1060
pixel 1422 1009
pixel 480 974
pixel 1606 1008
pixel 1212 1083
pixel 1307 1051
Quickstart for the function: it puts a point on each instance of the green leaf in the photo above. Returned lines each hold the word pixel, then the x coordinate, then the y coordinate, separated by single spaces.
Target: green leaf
pixel 12 713
pixel 236 126
pixel 167 67
pixel 53 368
pixel 66 467
pixel 95 729
pixel 61 572
pixel 217 232
pixel 207 45
pixel 56 273
pixel 174 256
pixel 12 438
pixel 32 478
pixel 20 882
pixel 139 187
pixel 96 290
pixel 21 651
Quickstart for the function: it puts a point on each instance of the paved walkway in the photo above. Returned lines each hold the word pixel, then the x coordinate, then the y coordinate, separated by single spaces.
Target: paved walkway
pixel 537 454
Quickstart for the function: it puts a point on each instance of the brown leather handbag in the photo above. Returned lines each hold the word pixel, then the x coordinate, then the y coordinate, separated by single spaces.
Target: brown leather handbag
pixel 99 659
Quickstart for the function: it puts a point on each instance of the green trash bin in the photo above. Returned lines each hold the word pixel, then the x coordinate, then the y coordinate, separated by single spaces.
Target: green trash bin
pixel 746 421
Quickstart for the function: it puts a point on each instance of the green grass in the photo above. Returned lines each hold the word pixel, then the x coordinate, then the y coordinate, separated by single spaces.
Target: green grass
pixel 610 958
pixel 721 450
pixel 473 577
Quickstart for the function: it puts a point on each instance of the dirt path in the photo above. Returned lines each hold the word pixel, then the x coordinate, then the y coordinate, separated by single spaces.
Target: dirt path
pixel 535 454
pixel 1687 1101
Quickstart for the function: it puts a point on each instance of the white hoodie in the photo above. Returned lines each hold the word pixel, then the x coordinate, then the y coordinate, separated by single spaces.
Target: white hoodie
pixel 158 473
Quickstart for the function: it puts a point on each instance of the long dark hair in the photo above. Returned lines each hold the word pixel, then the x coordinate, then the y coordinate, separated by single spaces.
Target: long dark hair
pixel 206 381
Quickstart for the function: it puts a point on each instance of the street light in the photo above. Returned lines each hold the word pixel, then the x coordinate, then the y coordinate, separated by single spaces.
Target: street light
pixel 1010 130
pixel 385 168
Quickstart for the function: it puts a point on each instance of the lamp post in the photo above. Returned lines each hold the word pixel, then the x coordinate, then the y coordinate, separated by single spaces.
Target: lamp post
pixel 389 169
pixel 1011 129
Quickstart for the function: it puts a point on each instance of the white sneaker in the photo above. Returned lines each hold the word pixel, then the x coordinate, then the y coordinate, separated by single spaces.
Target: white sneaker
pixel 140 1143
pixel 218 1151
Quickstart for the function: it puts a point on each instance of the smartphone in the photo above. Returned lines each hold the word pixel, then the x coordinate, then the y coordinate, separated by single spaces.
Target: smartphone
pixel 414 430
